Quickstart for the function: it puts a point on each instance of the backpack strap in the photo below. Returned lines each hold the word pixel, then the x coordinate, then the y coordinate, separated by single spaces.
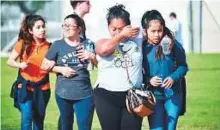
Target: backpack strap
pixel 146 79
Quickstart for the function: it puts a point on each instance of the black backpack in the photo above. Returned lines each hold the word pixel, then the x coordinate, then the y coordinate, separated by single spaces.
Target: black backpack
pixel 183 85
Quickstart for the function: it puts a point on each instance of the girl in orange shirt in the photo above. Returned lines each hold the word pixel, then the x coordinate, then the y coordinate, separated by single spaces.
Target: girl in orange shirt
pixel 31 90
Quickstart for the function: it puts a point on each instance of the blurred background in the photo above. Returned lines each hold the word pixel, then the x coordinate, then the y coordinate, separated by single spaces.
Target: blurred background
pixel 199 19
pixel 200 22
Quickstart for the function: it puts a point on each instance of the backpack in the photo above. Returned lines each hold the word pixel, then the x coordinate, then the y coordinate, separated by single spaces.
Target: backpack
pixel 183 85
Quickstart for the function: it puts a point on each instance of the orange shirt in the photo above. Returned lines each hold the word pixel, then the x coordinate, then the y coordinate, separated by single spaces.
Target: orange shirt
pixel 33 72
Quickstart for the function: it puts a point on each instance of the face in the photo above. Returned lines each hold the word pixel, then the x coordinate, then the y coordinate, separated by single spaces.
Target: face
pixel 70 28
pixel 85 6
pixel 38 31
pixel 171 17
pixel 115 27
pixel 154 32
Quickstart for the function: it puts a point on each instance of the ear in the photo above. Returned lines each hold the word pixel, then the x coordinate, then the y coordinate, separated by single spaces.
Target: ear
pixel 30 31
pixel 144 32
pixel 78 4
pixel 79 30
pixel 109 28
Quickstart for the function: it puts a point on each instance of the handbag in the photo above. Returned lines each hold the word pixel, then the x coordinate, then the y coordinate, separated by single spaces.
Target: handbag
pixel 139 101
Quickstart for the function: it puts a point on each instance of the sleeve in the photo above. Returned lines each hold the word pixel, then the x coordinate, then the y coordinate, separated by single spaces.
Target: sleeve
pixel 18 47
pixel 145 66
pixel 53 51
pixel 175 26
pixel 180 57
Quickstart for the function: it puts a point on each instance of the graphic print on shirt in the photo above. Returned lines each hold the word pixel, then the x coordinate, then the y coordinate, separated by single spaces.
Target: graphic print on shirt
pixel 70 59
pixel 125 52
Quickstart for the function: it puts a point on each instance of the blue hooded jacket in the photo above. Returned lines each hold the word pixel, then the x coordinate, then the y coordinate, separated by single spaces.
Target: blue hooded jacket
pixel 171 65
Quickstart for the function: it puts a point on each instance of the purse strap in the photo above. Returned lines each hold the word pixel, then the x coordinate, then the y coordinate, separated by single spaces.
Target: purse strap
pixel 126 65
pixel 145 80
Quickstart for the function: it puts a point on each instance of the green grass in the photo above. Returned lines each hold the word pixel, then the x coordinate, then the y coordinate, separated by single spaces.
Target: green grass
pixel 203 97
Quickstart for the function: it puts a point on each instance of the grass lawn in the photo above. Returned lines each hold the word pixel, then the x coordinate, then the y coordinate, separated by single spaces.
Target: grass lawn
pixel 203 97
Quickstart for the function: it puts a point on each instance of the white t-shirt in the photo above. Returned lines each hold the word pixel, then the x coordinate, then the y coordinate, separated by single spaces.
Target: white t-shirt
pixel 111 69
pixel 176 27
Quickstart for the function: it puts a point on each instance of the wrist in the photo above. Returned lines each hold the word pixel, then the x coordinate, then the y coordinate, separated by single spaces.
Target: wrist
pixel 92 56
pixel 62 70
pixel 18 64
pixel 121 36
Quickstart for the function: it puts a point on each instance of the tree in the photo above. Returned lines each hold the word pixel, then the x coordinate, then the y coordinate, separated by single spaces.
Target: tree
pixel 27 7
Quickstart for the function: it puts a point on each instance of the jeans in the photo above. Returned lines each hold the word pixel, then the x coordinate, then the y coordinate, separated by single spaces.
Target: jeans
pixel 166 113
pixel 29 115
pixel 83 108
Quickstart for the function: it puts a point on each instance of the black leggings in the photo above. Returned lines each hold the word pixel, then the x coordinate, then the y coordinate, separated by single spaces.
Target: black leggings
pixel 112 112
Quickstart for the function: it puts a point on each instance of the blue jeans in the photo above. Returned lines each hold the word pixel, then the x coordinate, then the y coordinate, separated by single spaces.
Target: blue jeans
pixel 29 115
pixel 83 108
pixel 166 113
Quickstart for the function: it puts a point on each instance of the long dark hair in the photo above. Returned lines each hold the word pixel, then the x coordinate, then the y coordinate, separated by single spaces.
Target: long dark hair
pixel 24 34
pixel 118 11
pixel 145 22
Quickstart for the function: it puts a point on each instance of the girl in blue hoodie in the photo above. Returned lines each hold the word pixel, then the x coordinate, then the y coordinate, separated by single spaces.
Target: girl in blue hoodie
pixel 164 71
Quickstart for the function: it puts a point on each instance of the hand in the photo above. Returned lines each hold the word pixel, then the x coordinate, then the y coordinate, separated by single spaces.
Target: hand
pixel 168 82
pixel 85 55
pixel 155 81
pixel 23 65
pixel 68 72
pixel 129 32
pixel 47 64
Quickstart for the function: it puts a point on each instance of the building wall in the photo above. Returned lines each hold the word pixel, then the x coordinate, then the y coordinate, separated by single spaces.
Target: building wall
pixel 211 29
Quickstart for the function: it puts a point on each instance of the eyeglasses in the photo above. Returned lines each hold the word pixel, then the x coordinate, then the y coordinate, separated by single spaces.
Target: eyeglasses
pixel 68 26
pixel 87 2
